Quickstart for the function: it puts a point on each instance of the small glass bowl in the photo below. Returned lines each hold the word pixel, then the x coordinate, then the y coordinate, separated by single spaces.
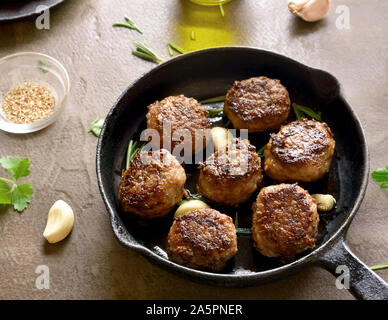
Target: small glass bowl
pixel 18 68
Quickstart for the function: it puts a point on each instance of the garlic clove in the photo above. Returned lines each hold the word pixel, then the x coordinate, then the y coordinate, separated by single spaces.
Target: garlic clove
pixel 309 10
pixel 189 206
pixel 325 202
pixel 221 137
pixel 60 222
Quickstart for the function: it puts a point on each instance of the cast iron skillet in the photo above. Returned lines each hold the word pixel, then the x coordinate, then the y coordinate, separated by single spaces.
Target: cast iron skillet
pixel 211 72
pixel 11 10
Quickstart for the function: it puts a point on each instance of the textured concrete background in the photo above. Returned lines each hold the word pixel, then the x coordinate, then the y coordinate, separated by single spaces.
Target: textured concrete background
pixel 90 263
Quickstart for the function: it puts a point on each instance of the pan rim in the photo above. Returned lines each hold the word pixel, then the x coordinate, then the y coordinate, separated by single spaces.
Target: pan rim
pixel 250 278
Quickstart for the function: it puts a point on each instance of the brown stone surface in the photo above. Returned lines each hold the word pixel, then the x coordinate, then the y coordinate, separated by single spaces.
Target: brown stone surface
pixel 90 263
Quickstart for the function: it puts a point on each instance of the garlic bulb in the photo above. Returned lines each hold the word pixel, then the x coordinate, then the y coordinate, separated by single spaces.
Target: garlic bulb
pixel 309 10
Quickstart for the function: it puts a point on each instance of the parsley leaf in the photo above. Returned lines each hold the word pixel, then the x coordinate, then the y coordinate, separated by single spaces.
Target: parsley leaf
pixel 5 193
pixel 21 196
pixel 381 176
pixel 18 168
pixel 10 191
pixel 96 127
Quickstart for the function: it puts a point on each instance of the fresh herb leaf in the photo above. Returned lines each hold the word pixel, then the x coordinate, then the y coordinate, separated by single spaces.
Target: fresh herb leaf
pixel 96 127
pixel 380 266
pixel 174 47
pixel 212 113
pixel 130 25
pixel 213 100
pixel 5 193
pixel 302 111
pixel 381 176
pixel 21 196
pixel 144 52
pixel 18 168
pixel 244 231
pixel 133 149
pixel 10 191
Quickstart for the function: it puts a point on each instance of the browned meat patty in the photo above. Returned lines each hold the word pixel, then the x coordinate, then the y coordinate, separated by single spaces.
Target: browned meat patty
pixel 301 151
pixel 285 221
pixel 232 174
pixel 257 104
pixel 184 116
pixel 152 185
pixel 202 239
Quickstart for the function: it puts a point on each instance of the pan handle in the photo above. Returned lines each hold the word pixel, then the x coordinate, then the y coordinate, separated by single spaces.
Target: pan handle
pixel 363 282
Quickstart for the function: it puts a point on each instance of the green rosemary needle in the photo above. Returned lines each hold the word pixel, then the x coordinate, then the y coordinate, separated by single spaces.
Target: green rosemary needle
pixel 379 266
pixel 214 100
pixel 244 231
pixel 133 149
pixel 212 113
pixel 222 10
pixel 302 111
pixel 130 25
pixel 43 66
pixel 144 52
pixel 260 152
pixel 174 47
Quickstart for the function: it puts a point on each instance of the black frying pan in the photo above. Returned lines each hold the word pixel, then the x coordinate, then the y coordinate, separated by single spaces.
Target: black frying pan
pixel 208 73
pixel 11 10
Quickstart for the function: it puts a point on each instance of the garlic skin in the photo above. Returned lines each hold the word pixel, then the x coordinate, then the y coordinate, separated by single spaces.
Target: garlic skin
pixel 60 222
pixel 309 10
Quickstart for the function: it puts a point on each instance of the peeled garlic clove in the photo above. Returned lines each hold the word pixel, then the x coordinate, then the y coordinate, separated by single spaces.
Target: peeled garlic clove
pixel 189 206
pixel 221 137
pixel 60 221
pixel 309 10
pixel 325 202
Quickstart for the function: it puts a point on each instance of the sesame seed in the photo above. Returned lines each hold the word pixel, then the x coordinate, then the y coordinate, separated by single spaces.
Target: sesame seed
pixel 28 103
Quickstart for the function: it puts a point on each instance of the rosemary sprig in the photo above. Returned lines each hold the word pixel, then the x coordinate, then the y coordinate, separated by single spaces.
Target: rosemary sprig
pixel 133 149
pixel 144 52
pixel 214 99
pixel 301 111
pixel 212 113
pixel 380 266
pixel 130 25
pixel 172 47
